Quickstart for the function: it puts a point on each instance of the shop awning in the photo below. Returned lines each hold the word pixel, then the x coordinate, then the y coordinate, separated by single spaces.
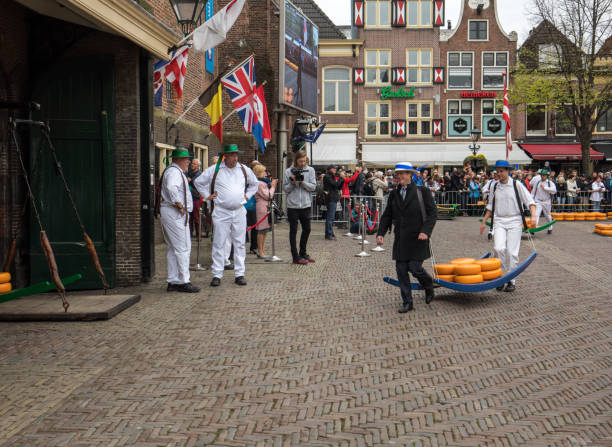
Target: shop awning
pixel 447 154
pixel 335 146
pixel 558 152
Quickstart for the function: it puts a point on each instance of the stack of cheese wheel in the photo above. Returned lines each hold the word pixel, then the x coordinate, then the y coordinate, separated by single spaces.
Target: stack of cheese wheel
pixel 609 215
pixel 445 272
pixel 603 229
pixel 580 216
pixel 590 216
pixel 467 271
pixel 491 268
pixel 558 216
pixel 5 282
pixel 600 216
pixel 570 216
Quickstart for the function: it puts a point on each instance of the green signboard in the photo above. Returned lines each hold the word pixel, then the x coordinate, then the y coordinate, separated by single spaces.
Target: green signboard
pixel 402 92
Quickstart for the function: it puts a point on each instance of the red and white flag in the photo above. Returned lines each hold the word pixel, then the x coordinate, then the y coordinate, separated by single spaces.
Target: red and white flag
pixel 174 71
pixel 506 117
pixel 214 31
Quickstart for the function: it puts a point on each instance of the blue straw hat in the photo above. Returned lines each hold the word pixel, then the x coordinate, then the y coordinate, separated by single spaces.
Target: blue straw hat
pixel 404 166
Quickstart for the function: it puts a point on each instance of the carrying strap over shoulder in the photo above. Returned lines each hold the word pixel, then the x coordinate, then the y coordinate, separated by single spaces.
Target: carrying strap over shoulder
pixel 421 203
pixel 518 202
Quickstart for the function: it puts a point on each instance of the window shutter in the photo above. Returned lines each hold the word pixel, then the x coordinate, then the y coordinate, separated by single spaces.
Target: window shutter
pixel 358 76
pixel 438 12
pixel 438 75
pixel 399 13
pixel 437 127
pixel 398 76
pixel 358 18
pixel 398 128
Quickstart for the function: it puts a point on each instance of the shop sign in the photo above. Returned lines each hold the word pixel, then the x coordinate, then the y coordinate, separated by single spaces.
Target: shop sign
pixel 494 125
pixel 470 94
pixel 460 125
pixel 402 92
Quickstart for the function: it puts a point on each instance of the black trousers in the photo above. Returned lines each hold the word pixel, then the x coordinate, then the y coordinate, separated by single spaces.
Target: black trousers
pixel 301 215
pixel 252 220
pixel 403 268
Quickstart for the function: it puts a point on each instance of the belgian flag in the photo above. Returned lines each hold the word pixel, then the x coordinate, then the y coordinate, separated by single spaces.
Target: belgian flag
pixel 211 100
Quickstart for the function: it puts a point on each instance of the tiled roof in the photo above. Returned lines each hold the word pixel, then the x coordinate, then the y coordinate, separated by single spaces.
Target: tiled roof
pixel 327 28
pixel 606 48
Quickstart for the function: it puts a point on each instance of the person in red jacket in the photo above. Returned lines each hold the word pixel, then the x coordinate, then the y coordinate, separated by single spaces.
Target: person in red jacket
pixel 346 195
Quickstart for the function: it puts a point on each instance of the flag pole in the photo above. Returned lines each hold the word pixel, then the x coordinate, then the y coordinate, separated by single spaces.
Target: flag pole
pixel 194 102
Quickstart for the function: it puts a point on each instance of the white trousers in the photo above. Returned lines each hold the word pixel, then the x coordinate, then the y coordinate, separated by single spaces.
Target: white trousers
pixel 178 245
pixel 229 225
pixel 544 207
pixel 507 241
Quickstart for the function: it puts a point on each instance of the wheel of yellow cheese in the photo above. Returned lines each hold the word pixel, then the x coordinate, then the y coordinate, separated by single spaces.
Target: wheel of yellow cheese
pixel 489 264
pixel 444 269
pixel 449 278
pixel 492 274
pixel 460 261
pixel 5 277
pixel 559 217
pixel 5 287
pixel 590 218
pixel 469 279
pixel 467 269
pixel 579 216
pixel 598 226
pixel 605 232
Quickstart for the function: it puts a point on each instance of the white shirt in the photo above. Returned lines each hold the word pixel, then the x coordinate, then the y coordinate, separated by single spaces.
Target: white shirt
pixel 597 188
pixel 505 199
pixel 488 187
pixel 175 187
pixel 542 190
pixel 229 185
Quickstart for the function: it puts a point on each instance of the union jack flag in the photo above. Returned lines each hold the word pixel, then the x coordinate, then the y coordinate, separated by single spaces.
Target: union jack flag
pixel 240 85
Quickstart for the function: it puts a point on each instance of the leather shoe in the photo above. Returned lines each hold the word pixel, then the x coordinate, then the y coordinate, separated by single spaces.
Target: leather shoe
pixel 186 288
pixel 171 287
pixel 406 308
pixel 429 295
pixel 500 288
pixel 300 261
pixel 215 282
pixel 510 287
pixel 240 281
pixel 549 231
pixel 229 267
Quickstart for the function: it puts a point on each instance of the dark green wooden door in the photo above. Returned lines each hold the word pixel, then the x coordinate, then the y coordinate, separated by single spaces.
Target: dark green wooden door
pixel 77 101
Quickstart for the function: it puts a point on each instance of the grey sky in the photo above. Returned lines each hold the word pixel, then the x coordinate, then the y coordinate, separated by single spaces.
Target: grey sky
pixel 513 14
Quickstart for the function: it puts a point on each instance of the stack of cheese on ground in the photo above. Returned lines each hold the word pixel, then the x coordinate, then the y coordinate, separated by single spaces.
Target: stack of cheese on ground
pixel 469 270
pixel 603 229
pixel 5 282
pixel 581 216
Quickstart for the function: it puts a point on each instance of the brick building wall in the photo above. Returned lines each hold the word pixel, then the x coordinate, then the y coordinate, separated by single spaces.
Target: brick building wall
pixel 498 40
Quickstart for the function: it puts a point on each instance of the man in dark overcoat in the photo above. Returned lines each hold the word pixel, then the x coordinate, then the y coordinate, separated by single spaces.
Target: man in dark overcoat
pixel 412 232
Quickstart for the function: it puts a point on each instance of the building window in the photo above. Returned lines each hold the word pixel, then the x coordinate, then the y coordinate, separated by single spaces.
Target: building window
pixel 336 90
pixel 378 119
pixel 169 90
pixel 459 118
pixel 604 124
pixel 494 65
pixel 418 118
pixel 536 120
pixel 493 126
pixel 478 30
pixel 419 65
pixel 419 13
pixel 548 55
pixel 460 70
pixel 378 13
pixel 378 67
pixel 564 126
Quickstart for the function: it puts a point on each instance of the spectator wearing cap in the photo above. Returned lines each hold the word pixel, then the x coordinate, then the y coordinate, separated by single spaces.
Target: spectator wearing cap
pixel 412 232
pixel 332 187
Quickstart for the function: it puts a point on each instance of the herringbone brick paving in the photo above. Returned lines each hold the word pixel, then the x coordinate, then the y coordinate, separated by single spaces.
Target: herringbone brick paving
pixel 318 356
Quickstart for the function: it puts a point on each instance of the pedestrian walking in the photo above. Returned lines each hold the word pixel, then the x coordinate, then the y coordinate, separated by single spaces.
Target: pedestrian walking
pixel 505 208
pixel 413 213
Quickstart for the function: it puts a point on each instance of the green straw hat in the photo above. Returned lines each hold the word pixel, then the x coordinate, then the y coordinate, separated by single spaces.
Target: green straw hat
pixel 180 152
pixel 231 149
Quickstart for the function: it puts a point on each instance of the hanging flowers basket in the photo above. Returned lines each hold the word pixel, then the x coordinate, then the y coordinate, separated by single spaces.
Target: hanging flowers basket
pixel 476 162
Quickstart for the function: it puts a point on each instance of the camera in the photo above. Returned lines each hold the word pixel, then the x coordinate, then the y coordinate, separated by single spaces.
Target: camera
pixel 298 174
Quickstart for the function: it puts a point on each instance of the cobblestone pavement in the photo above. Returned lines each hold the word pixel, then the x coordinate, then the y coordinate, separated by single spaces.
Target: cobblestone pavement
pixel 318 355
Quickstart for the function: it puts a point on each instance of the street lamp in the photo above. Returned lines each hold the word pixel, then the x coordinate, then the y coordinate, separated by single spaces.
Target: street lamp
pixel 188 13
pixel 475 133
